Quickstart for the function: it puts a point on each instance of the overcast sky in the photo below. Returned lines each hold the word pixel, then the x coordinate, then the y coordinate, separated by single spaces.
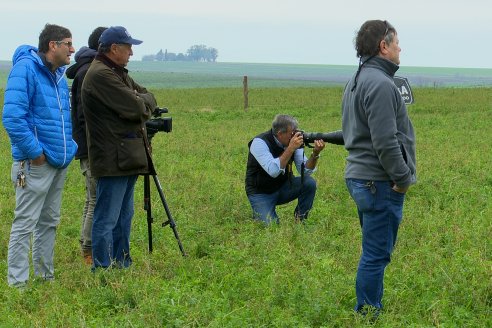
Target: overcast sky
pixel 433 33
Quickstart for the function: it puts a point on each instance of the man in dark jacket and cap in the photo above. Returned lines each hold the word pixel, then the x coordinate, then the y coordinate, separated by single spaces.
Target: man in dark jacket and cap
pixel 83 59
pixel 116 109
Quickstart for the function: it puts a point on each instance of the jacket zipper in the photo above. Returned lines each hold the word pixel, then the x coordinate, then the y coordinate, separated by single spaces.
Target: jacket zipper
pixel 63 123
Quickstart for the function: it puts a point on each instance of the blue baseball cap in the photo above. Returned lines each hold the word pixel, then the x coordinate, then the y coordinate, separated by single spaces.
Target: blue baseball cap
pixel 117 34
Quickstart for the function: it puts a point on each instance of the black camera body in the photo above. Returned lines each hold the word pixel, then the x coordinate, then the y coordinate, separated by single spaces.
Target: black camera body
pixel 158 123
pixel 335 137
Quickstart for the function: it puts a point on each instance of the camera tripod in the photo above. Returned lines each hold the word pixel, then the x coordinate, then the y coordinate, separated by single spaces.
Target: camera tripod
pixel 148 209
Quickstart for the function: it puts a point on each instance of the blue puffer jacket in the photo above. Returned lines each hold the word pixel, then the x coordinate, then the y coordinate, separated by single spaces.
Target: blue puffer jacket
pixel 36 111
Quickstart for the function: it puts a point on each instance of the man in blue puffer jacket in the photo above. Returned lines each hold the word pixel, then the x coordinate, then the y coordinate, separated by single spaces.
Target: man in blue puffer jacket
pixel 36 115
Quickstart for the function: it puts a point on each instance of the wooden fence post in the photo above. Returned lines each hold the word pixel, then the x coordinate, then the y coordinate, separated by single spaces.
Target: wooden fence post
pixel 245 92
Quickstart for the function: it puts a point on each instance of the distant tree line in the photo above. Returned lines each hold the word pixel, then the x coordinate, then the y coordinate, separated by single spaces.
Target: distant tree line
pixel 198 53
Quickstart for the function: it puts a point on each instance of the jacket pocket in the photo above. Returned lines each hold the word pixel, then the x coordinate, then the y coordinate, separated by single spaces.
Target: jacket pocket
pixel 131 154
pixel 404 153
pixel 361 193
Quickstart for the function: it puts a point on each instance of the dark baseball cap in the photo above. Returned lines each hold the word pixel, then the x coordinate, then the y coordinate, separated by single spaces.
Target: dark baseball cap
pixel 117 34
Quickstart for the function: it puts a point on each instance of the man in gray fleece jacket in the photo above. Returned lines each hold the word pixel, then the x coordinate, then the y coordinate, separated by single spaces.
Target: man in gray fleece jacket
pixel 380 140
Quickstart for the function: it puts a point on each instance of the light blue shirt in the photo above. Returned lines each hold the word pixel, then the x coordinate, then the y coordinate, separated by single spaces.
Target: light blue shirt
pixel 259 149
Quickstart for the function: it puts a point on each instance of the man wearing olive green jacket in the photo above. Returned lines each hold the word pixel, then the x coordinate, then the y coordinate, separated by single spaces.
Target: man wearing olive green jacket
pixel 115 108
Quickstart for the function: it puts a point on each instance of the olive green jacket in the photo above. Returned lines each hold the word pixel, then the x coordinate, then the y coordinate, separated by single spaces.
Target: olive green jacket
pixel 116 108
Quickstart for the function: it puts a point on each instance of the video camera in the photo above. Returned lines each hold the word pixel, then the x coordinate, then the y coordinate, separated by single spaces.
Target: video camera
pixel 335 137
pixel 158 123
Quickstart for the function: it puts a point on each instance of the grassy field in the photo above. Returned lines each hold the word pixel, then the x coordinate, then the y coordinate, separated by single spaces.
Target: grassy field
pixel 241 274
pixel 179 75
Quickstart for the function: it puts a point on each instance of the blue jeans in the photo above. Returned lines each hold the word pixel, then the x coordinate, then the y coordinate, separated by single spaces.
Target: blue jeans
pixel 112 221
pixel 380 210
pixel 263 205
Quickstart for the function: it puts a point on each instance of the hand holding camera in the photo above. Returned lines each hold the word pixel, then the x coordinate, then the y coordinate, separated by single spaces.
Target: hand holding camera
pixel 158 123
pixel 297 140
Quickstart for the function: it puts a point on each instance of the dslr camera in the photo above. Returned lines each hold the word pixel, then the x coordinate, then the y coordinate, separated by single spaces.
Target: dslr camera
pixel 158 123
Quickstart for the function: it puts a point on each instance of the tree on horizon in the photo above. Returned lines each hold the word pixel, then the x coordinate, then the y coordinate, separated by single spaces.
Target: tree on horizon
pixel 198 53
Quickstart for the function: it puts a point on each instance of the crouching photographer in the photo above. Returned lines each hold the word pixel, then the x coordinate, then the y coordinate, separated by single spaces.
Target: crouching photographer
pixel 116 109
pixel 269 176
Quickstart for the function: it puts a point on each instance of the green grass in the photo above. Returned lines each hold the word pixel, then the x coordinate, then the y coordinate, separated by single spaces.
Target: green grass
pixel 179 75
pixel 241 274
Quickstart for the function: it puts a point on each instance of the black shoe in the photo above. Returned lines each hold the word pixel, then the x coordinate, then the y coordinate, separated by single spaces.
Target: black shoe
pixel 300 218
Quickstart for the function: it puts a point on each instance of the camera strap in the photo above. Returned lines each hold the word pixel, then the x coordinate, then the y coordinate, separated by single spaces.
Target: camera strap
pixel 302 168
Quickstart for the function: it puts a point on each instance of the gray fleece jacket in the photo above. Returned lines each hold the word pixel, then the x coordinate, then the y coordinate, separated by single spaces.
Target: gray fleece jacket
pixel 377 131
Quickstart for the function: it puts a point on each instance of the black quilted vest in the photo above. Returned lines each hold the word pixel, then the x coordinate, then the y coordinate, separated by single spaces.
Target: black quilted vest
pixel 258 181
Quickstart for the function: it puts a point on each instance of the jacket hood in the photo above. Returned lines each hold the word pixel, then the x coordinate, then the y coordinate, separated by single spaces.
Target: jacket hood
pixel 27 52
pixel 83 56
pixel 85 52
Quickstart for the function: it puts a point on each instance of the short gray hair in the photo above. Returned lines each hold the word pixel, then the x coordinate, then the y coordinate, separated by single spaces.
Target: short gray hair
pixel 281 123
pixel 104 49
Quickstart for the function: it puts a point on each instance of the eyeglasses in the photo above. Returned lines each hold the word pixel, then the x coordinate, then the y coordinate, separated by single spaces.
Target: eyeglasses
pixel 67 43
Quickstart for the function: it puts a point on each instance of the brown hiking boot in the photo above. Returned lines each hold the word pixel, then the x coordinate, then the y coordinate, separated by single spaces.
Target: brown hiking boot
pixel 88 259
pixel 87 254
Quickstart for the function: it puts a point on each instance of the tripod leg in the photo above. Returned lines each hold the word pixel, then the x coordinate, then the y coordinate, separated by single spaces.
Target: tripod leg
pixel 170 220
pixel 148 208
